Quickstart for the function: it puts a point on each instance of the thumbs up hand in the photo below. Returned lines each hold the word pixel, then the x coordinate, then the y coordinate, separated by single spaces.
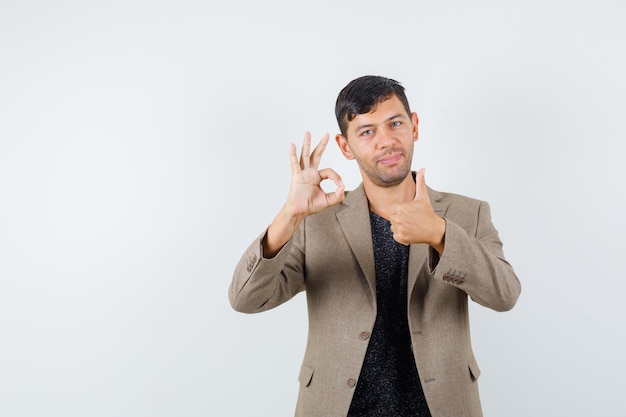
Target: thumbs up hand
pixel 416 221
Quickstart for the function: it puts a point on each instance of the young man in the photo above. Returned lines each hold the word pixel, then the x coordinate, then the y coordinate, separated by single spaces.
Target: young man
pixel 387 270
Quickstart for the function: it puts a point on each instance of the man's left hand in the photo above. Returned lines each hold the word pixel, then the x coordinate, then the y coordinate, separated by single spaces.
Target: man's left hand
pixel 416 221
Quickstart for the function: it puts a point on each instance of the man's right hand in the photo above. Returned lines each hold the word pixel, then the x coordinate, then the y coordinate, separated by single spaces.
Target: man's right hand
pixel 306 195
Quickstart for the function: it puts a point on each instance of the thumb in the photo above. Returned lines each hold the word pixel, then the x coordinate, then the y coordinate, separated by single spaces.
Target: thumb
pixel 420 185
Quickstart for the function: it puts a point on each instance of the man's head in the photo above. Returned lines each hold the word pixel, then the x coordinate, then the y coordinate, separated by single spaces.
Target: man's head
pixel 362 95
pixel 377 129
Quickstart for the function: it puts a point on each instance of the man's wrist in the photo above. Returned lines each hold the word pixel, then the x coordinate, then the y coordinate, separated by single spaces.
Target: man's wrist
pixel 438 242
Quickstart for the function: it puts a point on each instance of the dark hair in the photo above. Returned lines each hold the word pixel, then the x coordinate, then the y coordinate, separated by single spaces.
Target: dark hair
pixel 363 94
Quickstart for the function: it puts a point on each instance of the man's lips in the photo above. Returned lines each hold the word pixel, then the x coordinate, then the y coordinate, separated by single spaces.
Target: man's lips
pixel 390 159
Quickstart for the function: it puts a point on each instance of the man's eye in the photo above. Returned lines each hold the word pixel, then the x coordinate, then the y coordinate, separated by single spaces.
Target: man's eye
pixel 396 123
pixel 367 132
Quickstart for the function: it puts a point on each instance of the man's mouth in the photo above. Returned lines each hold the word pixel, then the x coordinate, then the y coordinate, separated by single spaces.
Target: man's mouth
pixel 390 159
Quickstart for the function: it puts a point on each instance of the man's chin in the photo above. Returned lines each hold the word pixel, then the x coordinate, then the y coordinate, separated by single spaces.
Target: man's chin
pixel 389 179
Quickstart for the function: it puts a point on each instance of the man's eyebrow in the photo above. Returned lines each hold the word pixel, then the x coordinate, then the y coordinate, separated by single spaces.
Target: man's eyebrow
pixel 395 116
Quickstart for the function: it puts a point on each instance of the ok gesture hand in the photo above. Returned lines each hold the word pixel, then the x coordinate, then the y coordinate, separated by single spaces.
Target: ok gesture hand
pixel 306 196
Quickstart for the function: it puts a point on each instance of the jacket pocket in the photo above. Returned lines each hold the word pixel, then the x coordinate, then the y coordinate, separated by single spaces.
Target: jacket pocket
pixel 474 369
pixel 306 375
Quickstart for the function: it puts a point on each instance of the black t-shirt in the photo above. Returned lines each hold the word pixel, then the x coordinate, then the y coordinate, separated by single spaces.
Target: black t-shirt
pixel 389 383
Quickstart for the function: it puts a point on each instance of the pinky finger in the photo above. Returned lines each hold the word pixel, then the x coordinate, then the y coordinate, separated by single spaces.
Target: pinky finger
pixel 293 159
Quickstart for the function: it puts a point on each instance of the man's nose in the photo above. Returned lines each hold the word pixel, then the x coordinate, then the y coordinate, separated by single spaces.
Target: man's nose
pixel 384 137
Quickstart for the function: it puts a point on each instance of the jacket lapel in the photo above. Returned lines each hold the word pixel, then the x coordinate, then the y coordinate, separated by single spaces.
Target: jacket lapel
pixel 354 220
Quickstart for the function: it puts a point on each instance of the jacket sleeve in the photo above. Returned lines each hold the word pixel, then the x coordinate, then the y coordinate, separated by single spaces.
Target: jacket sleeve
pixel 260 284
pixel 474 262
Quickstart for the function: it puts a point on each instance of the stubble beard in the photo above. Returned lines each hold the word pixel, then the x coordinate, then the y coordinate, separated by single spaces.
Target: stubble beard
pixel 385 176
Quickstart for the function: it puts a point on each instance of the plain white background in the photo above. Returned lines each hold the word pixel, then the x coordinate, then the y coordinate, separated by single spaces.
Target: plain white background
pixel 144 144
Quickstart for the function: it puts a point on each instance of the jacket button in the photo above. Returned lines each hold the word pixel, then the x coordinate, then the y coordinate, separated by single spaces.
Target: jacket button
pixel 351 382
pixel 365 335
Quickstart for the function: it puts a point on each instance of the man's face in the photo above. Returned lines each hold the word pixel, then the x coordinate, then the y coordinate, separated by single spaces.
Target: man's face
pixel 381 142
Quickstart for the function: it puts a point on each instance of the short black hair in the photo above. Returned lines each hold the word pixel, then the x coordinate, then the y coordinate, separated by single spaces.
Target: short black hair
pixel 363 94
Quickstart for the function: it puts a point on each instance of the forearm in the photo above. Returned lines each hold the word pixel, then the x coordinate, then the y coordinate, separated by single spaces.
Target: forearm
pixel 475 264
pixel 259 283
pixel 282 229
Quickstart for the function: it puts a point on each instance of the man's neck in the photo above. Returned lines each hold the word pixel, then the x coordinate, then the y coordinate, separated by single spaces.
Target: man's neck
pixel 382 199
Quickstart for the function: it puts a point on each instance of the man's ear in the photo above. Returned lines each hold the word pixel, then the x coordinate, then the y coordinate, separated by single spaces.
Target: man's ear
pixel 414 122
pixel 342 142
